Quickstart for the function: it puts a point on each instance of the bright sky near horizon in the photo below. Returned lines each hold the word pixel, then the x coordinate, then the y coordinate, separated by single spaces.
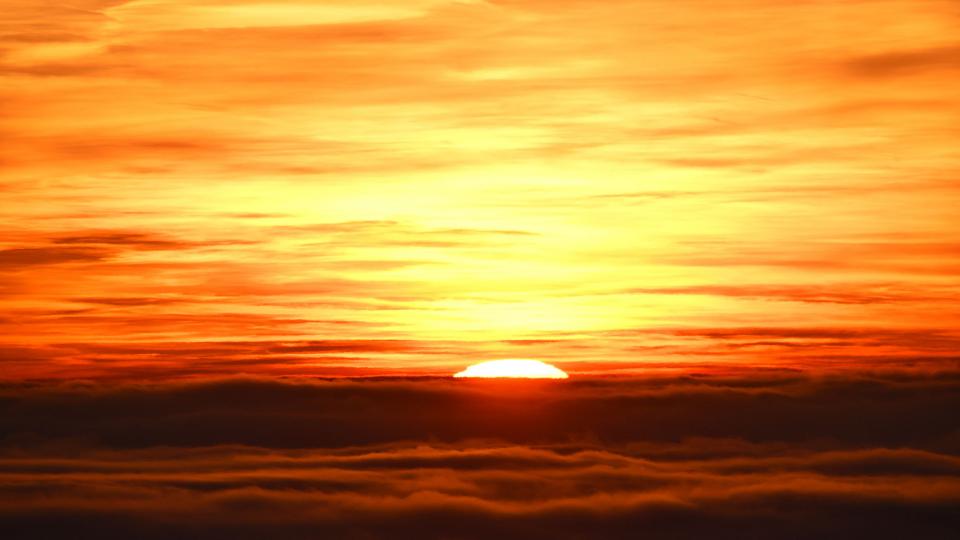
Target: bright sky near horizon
pixel 353 187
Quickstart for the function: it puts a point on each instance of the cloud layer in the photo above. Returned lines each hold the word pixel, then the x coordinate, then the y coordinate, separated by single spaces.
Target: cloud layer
pixel 777 455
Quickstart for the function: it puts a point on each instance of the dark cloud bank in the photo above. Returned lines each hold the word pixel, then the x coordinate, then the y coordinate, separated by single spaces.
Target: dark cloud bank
pixel 765 455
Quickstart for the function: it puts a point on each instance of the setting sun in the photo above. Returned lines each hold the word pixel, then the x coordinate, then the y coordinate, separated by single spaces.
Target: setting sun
pixel 514 369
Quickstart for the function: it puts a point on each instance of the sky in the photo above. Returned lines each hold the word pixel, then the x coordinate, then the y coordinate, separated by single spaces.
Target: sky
pixel 348 188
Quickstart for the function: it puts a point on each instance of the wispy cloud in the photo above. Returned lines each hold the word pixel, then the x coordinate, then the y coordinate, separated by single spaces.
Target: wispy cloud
pixel 475 172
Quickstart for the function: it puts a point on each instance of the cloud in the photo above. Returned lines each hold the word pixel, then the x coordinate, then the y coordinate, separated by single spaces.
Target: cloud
pixel 851 410
pixel 879 257
pixel 821 339
pixel 854 294
pixel 132 239
pixel 96 246
pixel 786 456
pixel 127 301
pixel 906 62
pixel 172 15
pixel 24 257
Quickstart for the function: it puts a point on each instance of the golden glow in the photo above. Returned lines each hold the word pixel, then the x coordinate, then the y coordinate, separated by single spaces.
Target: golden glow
pixel 326 187
pixel 513 369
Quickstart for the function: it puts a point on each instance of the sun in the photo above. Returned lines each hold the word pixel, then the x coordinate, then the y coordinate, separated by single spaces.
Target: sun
pixel 514 369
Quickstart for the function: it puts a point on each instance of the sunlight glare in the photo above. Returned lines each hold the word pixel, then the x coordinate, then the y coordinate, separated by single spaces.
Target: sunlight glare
pixel 516 369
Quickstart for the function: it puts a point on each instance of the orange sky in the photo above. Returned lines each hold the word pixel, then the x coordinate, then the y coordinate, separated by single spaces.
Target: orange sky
pixel 351 187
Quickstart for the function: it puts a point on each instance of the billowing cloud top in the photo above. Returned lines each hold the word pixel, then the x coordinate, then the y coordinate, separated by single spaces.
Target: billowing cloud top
pixel 771 455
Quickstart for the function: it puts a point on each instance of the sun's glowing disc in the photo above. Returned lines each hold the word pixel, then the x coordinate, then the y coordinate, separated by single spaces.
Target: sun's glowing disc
pixel 516 369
